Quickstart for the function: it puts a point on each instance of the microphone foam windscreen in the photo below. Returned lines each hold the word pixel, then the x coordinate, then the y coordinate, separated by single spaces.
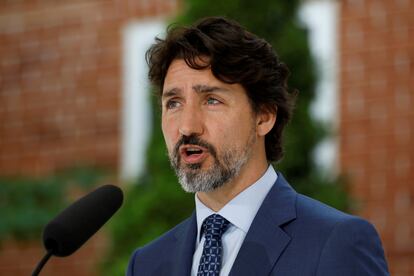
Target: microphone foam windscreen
pixel 78 222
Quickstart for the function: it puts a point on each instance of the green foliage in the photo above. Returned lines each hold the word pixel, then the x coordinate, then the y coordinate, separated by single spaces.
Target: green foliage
pixel 157 204
pixel 28 203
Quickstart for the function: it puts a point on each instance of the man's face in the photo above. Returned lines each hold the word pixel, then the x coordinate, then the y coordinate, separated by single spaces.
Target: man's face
pixel 208 126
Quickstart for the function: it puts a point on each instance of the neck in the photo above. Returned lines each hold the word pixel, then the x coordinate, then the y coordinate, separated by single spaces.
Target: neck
pixel 218 198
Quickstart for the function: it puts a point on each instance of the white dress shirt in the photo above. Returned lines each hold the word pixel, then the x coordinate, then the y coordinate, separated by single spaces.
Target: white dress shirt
pixel 240 212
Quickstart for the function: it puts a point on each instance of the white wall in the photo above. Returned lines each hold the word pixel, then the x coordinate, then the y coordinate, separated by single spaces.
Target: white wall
pixel 136 108
pixel 321 18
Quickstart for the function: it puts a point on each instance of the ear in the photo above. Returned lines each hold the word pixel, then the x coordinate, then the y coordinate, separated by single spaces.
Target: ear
pixel 265 121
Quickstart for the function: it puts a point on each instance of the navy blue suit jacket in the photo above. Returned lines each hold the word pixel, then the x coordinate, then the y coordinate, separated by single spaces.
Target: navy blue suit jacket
pixel 290 235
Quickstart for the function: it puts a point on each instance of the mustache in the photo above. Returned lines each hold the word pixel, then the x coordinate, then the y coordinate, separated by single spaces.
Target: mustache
pixel 194 140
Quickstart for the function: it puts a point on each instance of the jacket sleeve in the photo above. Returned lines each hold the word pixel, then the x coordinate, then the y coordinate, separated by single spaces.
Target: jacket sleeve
pixel 352 248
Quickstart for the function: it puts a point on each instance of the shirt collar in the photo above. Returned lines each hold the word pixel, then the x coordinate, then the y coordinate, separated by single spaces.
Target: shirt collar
pixel 241 210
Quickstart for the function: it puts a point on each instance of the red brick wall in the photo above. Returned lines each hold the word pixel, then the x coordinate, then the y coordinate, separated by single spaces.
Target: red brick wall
pixel 20 259
pixel 60 96
pixel 60 82
pixel 377 119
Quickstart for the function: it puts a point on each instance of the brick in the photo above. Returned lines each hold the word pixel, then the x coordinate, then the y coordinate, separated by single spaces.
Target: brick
pixel 376 147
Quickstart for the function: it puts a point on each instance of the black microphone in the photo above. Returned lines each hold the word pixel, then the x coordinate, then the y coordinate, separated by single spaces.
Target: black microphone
pixel 77 223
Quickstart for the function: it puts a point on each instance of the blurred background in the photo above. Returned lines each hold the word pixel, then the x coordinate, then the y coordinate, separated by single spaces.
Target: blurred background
pixel 76 111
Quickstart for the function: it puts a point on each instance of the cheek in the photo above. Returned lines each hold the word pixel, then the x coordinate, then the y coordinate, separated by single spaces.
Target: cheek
pixel 237 134
pixel 237 126
pixel 224 133
pixel 167 131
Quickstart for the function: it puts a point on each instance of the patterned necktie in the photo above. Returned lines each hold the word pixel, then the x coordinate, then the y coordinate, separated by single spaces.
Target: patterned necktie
pixel 210 263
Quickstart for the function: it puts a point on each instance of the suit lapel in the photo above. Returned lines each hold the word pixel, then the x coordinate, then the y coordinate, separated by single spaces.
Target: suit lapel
pixel 266 240
pixel 182 255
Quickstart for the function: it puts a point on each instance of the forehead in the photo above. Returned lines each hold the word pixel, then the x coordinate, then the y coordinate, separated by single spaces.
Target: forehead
pixel 180 76
pixel 179 71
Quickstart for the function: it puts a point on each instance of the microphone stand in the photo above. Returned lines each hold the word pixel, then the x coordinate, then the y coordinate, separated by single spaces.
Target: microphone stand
pixel 42 263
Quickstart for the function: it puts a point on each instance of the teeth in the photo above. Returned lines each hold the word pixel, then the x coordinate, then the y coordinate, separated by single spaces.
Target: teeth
pixel 193 149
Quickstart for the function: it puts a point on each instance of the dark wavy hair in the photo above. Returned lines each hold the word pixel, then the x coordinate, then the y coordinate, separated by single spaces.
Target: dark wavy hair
pixel 234 55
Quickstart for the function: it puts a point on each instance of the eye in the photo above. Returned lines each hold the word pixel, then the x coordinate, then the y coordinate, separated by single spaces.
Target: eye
pixel 171 104
pixel 212 101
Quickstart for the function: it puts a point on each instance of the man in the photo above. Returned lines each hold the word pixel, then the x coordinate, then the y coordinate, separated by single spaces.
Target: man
pixel 225 103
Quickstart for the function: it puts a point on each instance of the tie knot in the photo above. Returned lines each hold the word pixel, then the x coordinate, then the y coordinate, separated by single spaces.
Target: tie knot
pixel 215 225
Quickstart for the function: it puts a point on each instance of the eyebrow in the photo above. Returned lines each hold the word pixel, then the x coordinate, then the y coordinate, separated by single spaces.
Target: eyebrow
pixel 199 88
pixel 207 89
pixel 170 92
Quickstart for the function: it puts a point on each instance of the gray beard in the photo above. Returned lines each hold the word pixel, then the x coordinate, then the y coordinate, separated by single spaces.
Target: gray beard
pixel 225 168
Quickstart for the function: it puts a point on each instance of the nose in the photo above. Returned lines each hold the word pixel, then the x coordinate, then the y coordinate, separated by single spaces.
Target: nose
pixel 191 122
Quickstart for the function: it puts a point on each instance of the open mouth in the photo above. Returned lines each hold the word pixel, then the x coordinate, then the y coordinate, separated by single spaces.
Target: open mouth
pixel 191 151
pixel 193 154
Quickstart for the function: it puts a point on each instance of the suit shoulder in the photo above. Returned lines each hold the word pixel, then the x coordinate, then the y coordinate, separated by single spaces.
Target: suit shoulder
pixel 159 245
pixel 334 240
pixel 318 212
pixel 148 258
pixel 321 220
pixel 352 247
